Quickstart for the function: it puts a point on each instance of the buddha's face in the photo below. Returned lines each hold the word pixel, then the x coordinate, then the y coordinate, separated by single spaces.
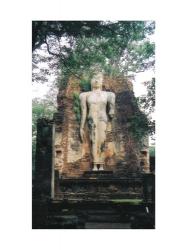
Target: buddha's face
pixel 97 81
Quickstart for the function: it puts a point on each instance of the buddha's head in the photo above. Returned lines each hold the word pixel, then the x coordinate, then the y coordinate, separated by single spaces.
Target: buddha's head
pixel 97 81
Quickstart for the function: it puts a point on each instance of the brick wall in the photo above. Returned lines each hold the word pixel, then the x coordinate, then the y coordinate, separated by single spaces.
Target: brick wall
pixel 122 153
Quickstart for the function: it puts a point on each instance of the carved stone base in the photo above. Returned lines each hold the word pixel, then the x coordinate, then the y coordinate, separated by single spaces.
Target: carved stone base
pixel 98 174
pixel 100 185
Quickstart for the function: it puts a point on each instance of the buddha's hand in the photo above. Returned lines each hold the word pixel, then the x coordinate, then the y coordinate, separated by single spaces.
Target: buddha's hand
pixel 82 136
pixel 111 115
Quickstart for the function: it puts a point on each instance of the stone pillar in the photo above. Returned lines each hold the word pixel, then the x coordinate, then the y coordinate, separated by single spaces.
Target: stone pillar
pixel 44 153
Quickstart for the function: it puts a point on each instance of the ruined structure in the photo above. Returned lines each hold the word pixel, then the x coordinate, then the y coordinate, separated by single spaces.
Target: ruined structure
pixel 64 164
pixel 122 153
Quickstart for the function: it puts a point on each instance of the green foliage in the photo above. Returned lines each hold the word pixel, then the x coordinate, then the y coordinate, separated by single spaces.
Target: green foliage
pixel 75 46
pixel 138 57
pixel 122 48
pixel 133 30
pixel 138 126
pixel 141 123
pixel 42 30
pixel 152 151
pixel 119 48
pixel 112 71
pixel 63 78
pixel 41 108
pixel 147 104
pixel 85 85
pixel 77 106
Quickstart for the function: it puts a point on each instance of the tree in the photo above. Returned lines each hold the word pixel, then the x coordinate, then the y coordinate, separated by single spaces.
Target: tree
pixel 147 104
pixel 71 48
pixel 44 30
pixel 42 108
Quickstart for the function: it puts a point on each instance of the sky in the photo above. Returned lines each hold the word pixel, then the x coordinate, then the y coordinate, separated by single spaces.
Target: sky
pixel 40 90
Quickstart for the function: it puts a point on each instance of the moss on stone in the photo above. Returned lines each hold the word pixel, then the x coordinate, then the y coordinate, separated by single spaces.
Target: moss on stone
pixel 77 107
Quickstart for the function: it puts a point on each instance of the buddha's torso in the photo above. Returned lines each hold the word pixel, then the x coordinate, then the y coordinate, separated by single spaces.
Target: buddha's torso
pixel 97 102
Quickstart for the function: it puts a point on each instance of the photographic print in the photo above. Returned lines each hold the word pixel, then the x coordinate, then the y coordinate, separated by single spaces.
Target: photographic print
pixel 93 135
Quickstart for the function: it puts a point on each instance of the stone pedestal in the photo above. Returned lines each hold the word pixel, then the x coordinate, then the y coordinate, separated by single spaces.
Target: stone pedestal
pixel 99 185
pixel 98 174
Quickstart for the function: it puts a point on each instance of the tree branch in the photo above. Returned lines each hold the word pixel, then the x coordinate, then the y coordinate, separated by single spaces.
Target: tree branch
pixel 48 49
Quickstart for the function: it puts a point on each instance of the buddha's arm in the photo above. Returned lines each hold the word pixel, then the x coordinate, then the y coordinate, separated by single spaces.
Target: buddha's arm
pixel 111 102
pixel 83 113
